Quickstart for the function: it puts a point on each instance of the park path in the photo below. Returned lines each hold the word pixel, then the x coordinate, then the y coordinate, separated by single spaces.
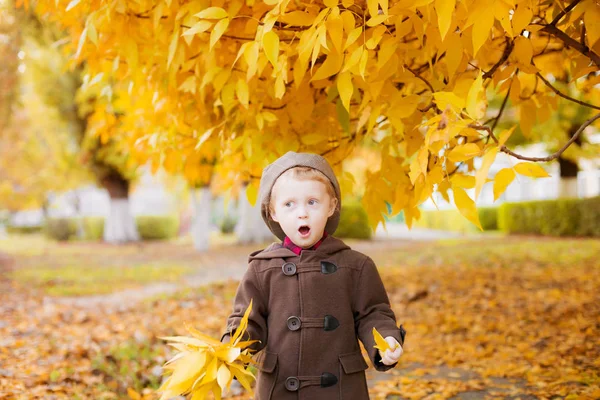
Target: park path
pixel 217 265
pixel 229 262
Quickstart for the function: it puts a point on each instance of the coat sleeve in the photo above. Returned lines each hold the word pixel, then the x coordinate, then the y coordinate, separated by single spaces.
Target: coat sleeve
pixel 249 289
pixel 372 309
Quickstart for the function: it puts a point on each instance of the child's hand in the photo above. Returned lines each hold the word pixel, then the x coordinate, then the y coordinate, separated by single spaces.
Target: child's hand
pixel 392 356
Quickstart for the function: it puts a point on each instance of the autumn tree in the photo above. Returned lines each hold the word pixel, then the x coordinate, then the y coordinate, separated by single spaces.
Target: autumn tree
pixel 262 78
pixel 38 155
pixel 9 49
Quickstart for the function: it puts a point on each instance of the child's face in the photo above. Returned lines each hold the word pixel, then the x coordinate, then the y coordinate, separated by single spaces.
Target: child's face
pixel 302 208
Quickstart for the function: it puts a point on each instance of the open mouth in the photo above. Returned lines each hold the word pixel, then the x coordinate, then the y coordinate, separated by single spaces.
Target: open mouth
pixel 304 230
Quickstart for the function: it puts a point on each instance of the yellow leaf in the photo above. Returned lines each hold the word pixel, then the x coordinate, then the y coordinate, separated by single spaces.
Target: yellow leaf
pixel 444 10
pixel 198 27
pixel 353 59
pixel 373 7
pixel 312 139
pixel 251 57
pixel 444 99
pixel 504 135
pixel 72 4
pixel 476 100
pixel 454 53
pixel 403 106
pixel 531 169
pixel 362 64
pixel 345 88
pixel 330 67
pixel 223 376
pixel 133 394
pixel 92 33
pixel 297 18
pixel 482 173
pixel 463 181
pixel 212 13
pixel 251 193
pixel 523 50
pixel 173 46
pixel 353 36
pixel 384 6
pixel 464 152
pixel 271 46
pixel 527 117
pixel 187 369
pixel 335 30
pixel 521 18
pixel 378 19
pixel 466 206
pixel 503 178
pixel 241 329
pixel 481 30
pixel 330 3
pixel 591 18
pixel 279 87
pixel 218 30
pixel 380 342
pixel 241 89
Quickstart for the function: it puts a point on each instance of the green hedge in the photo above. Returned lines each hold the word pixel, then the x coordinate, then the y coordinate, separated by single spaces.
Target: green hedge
pixel 23 229
pixel 561 217
pixel 157 227
pixel 353 222
pixel 452 220
pixel 149 227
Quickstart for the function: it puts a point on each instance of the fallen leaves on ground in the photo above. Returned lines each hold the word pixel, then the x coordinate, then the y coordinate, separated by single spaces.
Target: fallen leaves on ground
pixel 516 317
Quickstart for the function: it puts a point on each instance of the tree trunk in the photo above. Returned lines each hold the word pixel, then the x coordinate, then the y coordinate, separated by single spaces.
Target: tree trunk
pixel 250 227
pixel 120 225
pixel 78 216
pixel 568 171
pixel 202 199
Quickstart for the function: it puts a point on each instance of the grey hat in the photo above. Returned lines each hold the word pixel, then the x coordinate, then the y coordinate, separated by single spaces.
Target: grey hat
pixel 278 167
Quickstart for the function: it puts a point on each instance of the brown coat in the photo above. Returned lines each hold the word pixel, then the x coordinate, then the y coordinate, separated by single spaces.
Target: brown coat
pixel 309 312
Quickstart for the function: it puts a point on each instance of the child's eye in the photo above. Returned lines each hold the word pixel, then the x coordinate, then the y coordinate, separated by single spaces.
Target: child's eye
pixel 288 204
pixel 312 202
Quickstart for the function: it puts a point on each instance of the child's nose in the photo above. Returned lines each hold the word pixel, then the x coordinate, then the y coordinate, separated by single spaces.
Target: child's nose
pixel 302 212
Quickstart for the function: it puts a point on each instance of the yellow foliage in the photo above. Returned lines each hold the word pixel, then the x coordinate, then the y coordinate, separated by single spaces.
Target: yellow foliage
pixel 237 83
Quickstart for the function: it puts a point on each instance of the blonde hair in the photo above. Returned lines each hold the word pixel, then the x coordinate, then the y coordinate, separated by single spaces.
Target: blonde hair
pixel 305 174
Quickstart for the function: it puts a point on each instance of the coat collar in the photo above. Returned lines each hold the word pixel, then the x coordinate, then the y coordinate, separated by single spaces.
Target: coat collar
pixel 329 245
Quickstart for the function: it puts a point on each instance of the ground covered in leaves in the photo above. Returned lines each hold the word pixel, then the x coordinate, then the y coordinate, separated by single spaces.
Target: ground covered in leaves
pixel 492 317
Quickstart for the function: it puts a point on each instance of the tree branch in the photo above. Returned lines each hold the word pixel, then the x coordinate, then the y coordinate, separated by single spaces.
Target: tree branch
pixel 416 74
pixel 507 50
pixel 564 12
pixel 558 92
pixel 570 42
pixel 554 156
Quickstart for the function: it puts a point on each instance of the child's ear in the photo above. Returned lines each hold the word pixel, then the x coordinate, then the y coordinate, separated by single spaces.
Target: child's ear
pixel 273 216
pixel 332 206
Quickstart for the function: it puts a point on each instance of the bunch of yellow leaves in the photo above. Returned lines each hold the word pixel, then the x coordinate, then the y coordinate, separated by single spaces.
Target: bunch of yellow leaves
pixel 205 365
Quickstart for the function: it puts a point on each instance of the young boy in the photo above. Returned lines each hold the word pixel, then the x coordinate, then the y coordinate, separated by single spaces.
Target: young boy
pixel 313 296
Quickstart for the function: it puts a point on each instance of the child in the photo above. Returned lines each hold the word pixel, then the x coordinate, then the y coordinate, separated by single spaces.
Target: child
pixel 313 297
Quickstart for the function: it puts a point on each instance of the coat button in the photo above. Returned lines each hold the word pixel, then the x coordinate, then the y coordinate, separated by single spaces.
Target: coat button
pixel 292 384
pixel 289 268
pixel 330 323
pixel 293 323
pixel 328 379
pixel 328 267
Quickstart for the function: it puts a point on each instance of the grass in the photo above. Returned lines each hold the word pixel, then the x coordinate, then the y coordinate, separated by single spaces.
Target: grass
pixel 510 251
pixel 72 280
pixel 80 268
pixel 121 365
